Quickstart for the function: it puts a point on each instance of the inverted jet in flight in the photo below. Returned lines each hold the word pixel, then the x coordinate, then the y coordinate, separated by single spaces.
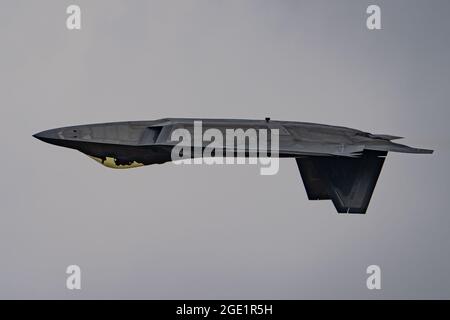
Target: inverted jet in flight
pixel 336 163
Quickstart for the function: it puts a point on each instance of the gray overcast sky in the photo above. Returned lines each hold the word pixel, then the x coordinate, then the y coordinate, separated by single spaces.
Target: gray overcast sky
pixel 192 232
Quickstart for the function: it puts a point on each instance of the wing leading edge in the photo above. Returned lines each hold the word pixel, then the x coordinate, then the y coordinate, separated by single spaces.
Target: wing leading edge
pixel 348 182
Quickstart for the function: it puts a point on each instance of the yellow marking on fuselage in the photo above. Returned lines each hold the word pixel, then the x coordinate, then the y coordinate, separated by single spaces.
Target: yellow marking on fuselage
pixel 110 162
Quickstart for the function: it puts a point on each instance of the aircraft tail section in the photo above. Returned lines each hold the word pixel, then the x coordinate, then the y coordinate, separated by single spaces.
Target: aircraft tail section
pixel 348 182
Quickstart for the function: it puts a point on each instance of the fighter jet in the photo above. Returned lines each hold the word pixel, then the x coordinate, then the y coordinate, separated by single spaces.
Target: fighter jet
pixel 336 163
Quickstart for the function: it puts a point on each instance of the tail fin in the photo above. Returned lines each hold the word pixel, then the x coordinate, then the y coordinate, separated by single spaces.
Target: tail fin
pixel 348 182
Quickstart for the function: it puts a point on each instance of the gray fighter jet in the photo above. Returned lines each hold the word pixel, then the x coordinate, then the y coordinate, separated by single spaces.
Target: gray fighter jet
pixel 336 163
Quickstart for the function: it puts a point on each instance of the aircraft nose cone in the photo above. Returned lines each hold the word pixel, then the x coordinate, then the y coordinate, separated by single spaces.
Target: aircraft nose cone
pixel 49 136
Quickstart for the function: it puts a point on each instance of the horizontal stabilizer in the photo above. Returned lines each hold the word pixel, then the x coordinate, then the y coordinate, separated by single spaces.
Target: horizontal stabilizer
pixel 348 182
pixel 396 147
